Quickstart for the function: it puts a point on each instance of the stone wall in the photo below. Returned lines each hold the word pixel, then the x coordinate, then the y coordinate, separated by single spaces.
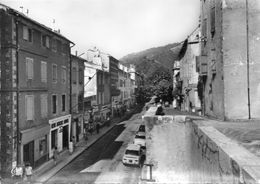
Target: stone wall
pixel 182 151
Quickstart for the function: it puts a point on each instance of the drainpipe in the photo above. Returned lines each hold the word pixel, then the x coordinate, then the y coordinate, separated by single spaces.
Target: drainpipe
pixel 247 62
pixel 73 44
pixel 17 95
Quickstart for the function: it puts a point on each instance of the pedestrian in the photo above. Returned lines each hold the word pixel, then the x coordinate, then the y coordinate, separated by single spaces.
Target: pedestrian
pixel 108 121
pixel 74 141
pixel 85 134
pixel 17 172
pixel 28 172
pixel 55 155
pixel 97 127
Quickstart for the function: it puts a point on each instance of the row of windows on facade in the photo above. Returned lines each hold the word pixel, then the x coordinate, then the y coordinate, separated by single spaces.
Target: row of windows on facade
pixel 55 44
pixel 30 72
pixel 30 101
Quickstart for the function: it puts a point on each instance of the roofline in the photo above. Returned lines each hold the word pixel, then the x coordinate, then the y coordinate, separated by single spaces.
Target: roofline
pixel 19 14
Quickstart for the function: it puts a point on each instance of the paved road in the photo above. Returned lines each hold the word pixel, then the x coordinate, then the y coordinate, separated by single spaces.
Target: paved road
pixel 101 163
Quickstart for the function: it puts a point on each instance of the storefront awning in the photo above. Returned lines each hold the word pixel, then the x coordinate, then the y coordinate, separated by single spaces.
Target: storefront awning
pixel 34 133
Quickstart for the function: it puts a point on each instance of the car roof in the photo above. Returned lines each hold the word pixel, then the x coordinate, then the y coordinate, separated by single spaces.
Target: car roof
pixel 140 133
pixel 133 147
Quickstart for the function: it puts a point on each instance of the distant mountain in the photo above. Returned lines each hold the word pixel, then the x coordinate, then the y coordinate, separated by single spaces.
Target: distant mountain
pixel 150 60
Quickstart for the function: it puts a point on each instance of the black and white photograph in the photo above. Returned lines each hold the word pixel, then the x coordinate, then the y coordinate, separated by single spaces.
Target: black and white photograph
pixel 129 91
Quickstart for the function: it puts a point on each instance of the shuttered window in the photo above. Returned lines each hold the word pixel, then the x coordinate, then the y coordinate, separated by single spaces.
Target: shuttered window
pixel 54 104
pixel 63 75
pixel 44 105
pixel 63 103
pixel 43 71
pixel 29 68
pixel 29 107
pixel 54 73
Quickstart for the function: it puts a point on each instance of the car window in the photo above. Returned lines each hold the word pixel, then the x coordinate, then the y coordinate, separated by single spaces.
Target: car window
pixel 142 128
pixel 132 152
pixel 140 136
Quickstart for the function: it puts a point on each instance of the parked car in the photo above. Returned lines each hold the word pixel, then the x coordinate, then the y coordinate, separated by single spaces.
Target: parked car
pixel 141 128
pixel 133 155
pixel 140 140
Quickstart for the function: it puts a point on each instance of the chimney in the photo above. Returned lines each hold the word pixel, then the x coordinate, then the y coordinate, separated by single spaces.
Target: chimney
pixel 76 53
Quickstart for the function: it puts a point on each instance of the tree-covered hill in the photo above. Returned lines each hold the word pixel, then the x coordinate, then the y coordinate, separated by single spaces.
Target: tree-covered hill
pixel 156 65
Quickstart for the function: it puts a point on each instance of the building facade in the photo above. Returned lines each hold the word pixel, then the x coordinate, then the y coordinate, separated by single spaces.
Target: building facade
pixel 35 68
pixel 77 94
pixel 229 59
pixel 188 75
pixel 114 91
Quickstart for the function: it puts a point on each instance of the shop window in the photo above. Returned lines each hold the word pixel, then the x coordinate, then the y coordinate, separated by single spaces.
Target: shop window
pixel 43 145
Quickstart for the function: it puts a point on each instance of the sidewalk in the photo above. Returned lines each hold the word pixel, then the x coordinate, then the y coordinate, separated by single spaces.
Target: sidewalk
pixel 48 169
pixel 246 133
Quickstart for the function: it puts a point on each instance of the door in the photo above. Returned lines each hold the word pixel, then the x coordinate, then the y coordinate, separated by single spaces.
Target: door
pixel 28 153
pixel 65 137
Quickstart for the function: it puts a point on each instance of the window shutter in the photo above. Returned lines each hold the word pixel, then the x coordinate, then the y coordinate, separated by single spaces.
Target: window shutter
pixel 44 71
pixel 29 68
pixel 29 107
pixel 25 33
pixel 44 107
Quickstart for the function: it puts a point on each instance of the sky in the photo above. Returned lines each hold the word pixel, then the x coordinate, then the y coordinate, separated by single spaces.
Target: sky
pixel 116 27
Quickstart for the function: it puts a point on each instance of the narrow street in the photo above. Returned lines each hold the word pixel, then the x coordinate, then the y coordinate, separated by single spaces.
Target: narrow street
pixel 101 163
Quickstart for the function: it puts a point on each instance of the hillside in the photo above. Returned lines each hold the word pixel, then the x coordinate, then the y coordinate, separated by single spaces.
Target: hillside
pixel 148 61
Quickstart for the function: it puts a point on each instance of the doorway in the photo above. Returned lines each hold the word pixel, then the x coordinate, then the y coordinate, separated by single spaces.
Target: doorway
pixel 65 137
pixel 28 153
pixel 54 139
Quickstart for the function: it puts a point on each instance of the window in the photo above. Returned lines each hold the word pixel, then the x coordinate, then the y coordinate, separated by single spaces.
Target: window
pixel 64 49
pixel 29 68
pixel 43 145
pixel 29 107
pixel 74 75
pixel 43 71
pixel 46 41
pixel 103 98
pixel 212 21
pixel 99 98
pixel 81 76
pixel 54 73
pixel 44 105
pixel 54 104
pixel 54 45
pixel 59 45
pixel 63 101
pixel 63 75
pixel 27 34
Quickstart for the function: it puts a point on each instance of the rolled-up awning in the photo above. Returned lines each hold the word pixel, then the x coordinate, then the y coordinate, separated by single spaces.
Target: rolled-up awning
pixel 31 134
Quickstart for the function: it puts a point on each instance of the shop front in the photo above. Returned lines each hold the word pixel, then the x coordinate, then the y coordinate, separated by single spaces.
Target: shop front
pixel 34 148
pixel 59 136
pixel 77 126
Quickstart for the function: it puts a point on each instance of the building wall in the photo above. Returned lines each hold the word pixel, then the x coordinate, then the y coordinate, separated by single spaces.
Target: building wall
pixel 13 113
pixel 211 47
pixel 8 95
pixel 189 75
pixel 226 87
